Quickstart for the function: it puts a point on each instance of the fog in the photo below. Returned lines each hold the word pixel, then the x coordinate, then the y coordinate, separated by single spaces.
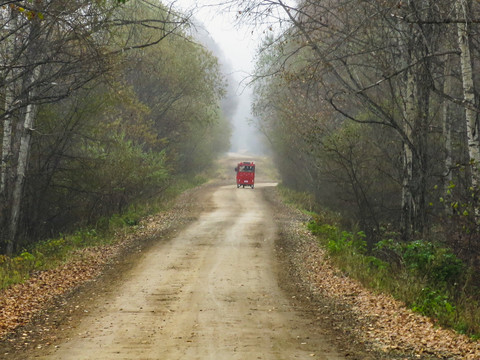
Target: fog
pixel 235 48
pixel 245 137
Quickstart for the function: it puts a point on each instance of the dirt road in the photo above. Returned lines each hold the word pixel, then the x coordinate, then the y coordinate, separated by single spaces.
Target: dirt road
pixel 210 292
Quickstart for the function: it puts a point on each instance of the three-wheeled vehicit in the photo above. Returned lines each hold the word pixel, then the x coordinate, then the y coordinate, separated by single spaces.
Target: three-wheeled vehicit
pixel 245 174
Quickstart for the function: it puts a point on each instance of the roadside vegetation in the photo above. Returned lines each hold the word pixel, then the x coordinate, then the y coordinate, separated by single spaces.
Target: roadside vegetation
pixel 54 252
pixel 428 277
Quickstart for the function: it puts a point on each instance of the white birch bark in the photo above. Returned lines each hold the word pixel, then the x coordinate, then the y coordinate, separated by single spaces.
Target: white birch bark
pixel 7 136
pixel 22 163
pixel 9 98
pixel 468 89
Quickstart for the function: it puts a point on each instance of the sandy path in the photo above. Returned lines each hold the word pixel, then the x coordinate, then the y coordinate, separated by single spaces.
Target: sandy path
pixel 211 292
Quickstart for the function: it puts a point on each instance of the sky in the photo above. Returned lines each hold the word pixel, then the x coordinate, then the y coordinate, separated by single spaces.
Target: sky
pixel 238 45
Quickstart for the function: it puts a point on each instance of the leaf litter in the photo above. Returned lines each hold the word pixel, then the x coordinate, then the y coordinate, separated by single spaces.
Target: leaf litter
pixel 380 322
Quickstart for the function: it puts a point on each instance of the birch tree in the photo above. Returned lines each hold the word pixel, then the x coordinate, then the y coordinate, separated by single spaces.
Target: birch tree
pixel 447 131
pixel 466 63
pixel 9 95
pixel 408 205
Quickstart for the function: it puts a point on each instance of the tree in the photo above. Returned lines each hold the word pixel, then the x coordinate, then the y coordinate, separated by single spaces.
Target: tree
pixel 51 49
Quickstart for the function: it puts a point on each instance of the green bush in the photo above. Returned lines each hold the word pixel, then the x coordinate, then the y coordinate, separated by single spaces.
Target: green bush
pixel 375 263
pixel 325 230
pixel 129 219
pixel 435 304
pixel 419 255
pixel 438 265
pixel 83 238
pixel 16 269
pixel 447 267
pixel 52 246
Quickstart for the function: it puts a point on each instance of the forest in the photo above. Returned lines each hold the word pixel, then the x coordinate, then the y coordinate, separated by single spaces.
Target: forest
pixel 371 108
pixel 104 104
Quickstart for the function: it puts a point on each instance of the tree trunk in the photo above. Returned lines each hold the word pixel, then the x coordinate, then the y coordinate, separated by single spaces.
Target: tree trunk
pixel 9 117
pixel 22 163
pixel 420 133
pixel 7 134
pixel 6 151
pixel 447 134
pixel 407 182
pixel 417 109
pixel 468 90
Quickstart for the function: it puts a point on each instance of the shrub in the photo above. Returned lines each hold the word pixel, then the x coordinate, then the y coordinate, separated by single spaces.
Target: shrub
pixel 438 265
pixel 325 230
pixel 52 246
pixel 423 274
pixel 419 255
pixel 435 304
pixel 447 267
pixel 302 200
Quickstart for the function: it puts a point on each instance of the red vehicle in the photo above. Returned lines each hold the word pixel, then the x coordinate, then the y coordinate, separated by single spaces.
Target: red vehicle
pixel 245 174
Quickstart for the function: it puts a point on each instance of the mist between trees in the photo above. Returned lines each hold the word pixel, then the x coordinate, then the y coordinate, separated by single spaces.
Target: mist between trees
pixel 102 105
pixel 372 106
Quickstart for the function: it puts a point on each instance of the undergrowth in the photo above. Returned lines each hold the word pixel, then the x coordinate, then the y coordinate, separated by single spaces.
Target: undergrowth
pixel 427 277
pixel 302 200
pixel 50 253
